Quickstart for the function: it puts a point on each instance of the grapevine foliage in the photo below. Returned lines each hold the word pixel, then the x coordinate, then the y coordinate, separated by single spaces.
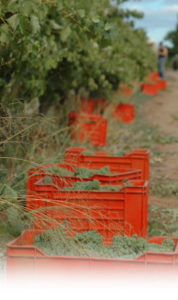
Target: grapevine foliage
pixel 51 50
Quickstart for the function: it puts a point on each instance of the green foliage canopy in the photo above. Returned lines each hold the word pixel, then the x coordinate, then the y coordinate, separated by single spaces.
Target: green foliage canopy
pixel 52 49
pixel 172 36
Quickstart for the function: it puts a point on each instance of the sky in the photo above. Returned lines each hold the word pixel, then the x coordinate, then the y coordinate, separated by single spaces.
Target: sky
pixel 160 16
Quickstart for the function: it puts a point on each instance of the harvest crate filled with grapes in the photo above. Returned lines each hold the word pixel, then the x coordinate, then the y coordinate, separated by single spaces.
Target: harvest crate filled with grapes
pixel 88 141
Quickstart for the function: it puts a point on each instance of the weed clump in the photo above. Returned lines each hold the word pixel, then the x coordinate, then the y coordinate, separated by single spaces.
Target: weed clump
pixel 7 193
pixel 14 224
pixel 163 221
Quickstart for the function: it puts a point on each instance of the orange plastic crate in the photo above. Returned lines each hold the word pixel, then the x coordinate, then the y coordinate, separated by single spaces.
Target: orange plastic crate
pixel 24 258
pixel 125 91
pixel 162 84
pixel 88 127
pixel 88 105
pixel 124 113
pixel 110 213
pixel 38 173
pixel 150 89
pixel 137 159
pixel 153 76
pixel 91 105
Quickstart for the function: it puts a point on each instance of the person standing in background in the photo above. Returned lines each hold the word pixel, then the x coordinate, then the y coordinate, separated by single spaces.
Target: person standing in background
pixel 162 56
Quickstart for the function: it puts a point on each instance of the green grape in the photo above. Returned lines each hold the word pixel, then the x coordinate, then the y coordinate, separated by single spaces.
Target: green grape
pixel 119 153
pixel 89 243
pixel 91 239
pixel 59 171
pixel 47 180
pixel 93 185
pixel 88 153
pixel 86 172
pixel 111 188
pixel 168 244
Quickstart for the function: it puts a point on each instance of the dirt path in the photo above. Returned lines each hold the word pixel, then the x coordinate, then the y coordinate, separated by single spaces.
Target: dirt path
pixel 162 112
pixel 164 108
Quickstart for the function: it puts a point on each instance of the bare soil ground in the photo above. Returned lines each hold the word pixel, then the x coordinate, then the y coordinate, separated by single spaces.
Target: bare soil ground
pixel 162 112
